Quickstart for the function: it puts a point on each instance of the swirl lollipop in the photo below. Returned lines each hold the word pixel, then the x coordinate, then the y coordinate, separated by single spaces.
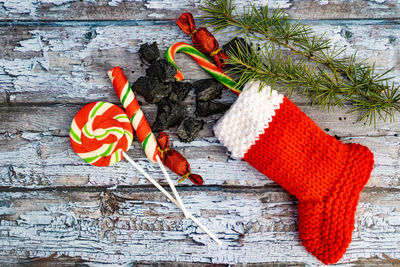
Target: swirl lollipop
pixel 100 132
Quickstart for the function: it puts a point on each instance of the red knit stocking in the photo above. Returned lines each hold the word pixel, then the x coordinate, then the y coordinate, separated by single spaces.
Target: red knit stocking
pixel 273 135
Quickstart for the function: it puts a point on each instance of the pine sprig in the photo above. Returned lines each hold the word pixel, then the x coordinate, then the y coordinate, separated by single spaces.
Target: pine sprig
pixel 322 73
pixel 269 65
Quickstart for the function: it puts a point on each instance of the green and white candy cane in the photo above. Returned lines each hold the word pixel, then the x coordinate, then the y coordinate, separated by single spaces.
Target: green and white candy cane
pixel 203 61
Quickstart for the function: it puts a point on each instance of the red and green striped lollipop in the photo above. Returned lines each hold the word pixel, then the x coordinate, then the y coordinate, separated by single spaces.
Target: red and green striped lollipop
pixel 100 133
pixel 203 61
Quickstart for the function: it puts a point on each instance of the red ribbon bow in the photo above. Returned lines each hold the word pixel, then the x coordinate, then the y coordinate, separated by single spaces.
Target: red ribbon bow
pixel 202 39
pixel 175 161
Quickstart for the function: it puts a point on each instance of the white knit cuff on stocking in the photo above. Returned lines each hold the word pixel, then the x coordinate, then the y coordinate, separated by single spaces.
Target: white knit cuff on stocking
pixel 247 118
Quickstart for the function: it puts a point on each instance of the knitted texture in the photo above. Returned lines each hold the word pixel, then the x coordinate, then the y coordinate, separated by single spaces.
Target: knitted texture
pixel 243 132
pixel 324 174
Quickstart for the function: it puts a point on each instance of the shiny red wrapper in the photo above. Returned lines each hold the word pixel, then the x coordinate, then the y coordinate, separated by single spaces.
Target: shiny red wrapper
pixel 202 39
pixel 175 161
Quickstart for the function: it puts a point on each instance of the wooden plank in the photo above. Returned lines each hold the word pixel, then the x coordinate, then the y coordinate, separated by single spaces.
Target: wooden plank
pixel 139 225
pixel 56 120
pixel 46 159
pixel 68 64
pixel 153 9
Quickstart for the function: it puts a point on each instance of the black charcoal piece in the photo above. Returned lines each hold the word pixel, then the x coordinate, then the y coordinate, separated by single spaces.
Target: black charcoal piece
pixel 233 45
pixel 149 52
pixel 163 70
pixel 179 90
pixel 208 89
pixel 207 108
pixel 151 89
pixel 169 114
pixel 189 129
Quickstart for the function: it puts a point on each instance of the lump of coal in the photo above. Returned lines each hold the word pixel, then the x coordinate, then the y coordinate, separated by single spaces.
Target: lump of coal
pixel 189 129
pixel 151 89
pixel 163 70
pixel 207 108
pixel 208 89
pixel 169 114
pixel 149 53
pixel 236 44
pixel 179 90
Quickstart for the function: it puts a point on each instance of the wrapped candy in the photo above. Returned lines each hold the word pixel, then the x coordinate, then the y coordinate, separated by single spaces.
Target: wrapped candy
pixel 175 161
pixel 202 39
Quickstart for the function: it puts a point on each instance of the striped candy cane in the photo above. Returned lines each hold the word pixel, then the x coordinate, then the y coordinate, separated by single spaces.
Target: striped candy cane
pixel 140 124
pixel 203 61
pixel 132 108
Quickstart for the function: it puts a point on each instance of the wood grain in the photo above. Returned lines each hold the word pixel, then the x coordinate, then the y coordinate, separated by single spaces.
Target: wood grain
pixel 168 9
pixel 54 63
pixel 37 152
pixel 139 225
pixel 57 210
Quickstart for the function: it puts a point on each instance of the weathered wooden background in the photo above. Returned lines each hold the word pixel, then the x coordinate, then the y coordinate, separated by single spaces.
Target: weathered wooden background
pixel 54 208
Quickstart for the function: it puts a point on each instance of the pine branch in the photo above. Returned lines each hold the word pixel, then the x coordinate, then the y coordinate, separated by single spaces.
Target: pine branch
pixel 269 65
pixel 322 74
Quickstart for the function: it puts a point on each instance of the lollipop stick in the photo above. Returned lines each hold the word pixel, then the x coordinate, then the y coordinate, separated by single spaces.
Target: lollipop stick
pixel 168 195
pixel 172 186
pixel 205 229
pixel 154 182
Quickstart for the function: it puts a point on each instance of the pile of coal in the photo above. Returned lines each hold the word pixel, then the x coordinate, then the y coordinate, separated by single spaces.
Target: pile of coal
pixel 159 87
pixel 189 129
pixel 149 52
pixel 179 90
pixel 151 89
pixel 207 91
pixel 208 108
pixel 162 69
pixel 169 114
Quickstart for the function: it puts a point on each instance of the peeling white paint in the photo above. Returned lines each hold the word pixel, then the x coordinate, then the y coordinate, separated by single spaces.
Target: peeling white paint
pixel 20 7
pixel 49 161
pixel 169 9
pixel 6 211
pixel 58 2
pixel 147 228
pixel 68 66
pixel 323 2
pixel 114 2
pixel 176 5
pixel 71 61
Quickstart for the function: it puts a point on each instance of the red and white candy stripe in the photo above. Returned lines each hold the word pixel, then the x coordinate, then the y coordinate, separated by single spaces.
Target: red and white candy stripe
pixel 132 108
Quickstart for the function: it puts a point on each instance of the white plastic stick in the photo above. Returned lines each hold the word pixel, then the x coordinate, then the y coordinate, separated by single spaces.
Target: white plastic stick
pixel 168 195
pixel 154 182
pixel 172 186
